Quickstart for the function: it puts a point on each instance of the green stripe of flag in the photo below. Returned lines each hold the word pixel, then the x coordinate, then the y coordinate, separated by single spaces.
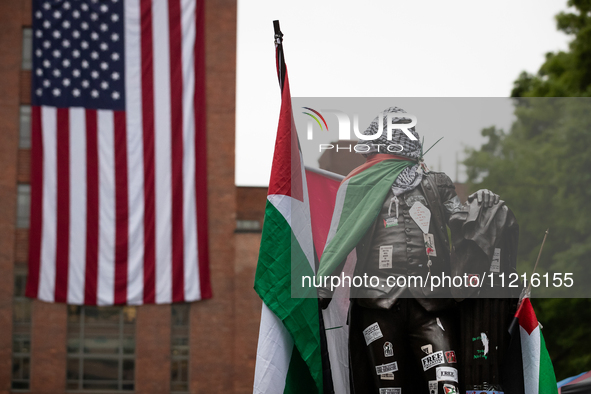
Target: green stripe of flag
pixel 547 376
pixel 364 196
pixel 281 258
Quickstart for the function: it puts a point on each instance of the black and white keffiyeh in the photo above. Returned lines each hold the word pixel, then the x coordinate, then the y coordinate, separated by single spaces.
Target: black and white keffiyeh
pixel 410 149
pixel 410 176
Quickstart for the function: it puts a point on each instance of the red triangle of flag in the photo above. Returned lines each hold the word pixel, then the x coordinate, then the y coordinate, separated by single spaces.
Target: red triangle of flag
pixel 527 316
pixel 286 173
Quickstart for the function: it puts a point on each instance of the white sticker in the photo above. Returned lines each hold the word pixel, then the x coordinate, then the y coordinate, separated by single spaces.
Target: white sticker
pixel 433 389
pixel 386 256
pixel 372 333
pixel 432 360
pixel 391 390
pixel 495 265
pixel 484 339
pixel 430 245
pixel 387 376
pixel 428 349
pixel 421 215
pixel 388 349
pixel 447 374
pixel 439 323
pixel 485 392
pixel 385 368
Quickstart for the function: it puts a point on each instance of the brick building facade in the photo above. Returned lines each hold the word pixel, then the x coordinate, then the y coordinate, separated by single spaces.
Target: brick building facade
pixel 202 347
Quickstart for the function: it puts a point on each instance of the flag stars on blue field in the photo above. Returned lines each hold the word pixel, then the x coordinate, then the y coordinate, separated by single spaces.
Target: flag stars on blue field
pixel 78 49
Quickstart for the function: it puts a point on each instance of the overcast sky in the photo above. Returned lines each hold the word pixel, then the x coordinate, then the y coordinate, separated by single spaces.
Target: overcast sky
pixel 381 49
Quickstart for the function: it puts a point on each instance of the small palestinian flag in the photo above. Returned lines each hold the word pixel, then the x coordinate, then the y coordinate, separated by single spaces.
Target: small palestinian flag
pixel 529 369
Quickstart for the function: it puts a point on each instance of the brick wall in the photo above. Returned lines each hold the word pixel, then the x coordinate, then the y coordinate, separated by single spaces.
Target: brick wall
pixel 248 311
pixel 250 205
pixel 11 21
pixel 251 202
pixel 214 337
pixel 212 329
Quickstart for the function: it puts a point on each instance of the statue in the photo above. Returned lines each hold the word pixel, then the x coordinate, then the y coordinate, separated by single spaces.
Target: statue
pixel 403 336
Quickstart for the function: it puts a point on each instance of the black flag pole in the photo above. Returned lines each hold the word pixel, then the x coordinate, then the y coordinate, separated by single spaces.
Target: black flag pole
pixel 279 52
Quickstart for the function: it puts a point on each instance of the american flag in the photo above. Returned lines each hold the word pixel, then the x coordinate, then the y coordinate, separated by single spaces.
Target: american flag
pixel 118 161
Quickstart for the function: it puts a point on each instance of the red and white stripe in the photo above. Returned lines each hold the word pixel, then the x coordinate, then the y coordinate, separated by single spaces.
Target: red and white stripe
pixel 119 200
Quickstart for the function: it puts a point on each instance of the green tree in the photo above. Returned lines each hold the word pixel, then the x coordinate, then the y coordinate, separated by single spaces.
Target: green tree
pixel 542 168
pixel 564 74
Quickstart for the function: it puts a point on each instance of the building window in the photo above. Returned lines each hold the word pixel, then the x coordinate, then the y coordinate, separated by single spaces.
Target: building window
pixel 23 206
pixel 101 348
pixel 27 63
pixel 24 141
pixel 179 348
pixel 248 225
pixel 21 332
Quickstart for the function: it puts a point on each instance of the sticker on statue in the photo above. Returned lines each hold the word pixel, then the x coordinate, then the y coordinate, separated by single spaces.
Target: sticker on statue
pixel 433 389
pixel 430 245
pixel 432 360
pixel 421 215
pixel 447 374
pixel 390 222
pixel 386 256
pixel 450 389
pixel 427 349
pixel 495 265
pixel 372 333
pixel 388 349
pixel 451 357
pixel 391 390
pixel 386 368
pixel 474 280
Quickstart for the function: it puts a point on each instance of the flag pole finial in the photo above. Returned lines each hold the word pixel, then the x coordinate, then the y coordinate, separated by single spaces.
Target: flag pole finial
pixel 278 33
pixel 279 53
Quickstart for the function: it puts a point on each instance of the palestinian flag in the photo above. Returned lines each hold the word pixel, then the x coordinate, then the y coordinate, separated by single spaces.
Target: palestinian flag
pixel 358 203
pixel 289 349
pixel 529 369
pixel 322 190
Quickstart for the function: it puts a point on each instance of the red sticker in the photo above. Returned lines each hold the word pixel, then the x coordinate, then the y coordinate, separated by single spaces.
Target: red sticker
pixel 451 357
pixel 473 280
